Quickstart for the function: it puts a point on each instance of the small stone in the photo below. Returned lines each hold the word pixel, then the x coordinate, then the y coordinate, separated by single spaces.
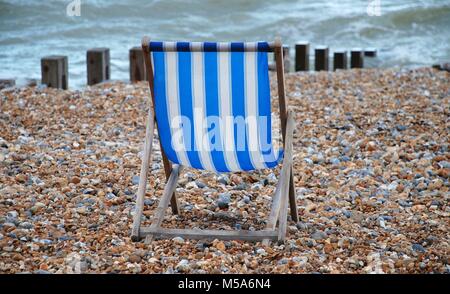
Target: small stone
pixel 134 258
pixel 21 178
pixel 191 185
pixel 318 158
pixel 224 200
pixel 89 191
pixel 261 251
pixel 149 202
pixel 200 184
pixel 240 187
pixel 301 226
pixel 220 246
pixel 319 235
pixel 272 179
pixel 301 260
pixel 135 180
pixel 418 248
pixel 178 240
pixel 84 181
pixel 37 207
pixel 292 229
pixel 308 160
pixel 75 180
pixel 335 161
pixel 183 266
pixel 111 196
pixel 200 246
pixel 246 199
pixel 189 176
pixel 284 260
pixel 26 225
pixel 12 214
pixel 9 226
pixel 256 187
pixel 223 179
pixel 235 179
pixel 371 146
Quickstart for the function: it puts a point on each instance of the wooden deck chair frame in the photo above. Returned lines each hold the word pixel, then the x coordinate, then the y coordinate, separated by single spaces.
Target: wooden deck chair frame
pixel 284 193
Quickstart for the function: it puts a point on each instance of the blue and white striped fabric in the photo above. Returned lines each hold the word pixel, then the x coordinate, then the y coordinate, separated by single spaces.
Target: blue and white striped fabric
pixel 212 105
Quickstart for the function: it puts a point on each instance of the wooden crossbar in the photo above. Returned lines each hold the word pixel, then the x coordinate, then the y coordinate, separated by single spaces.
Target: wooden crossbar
pixel 244 235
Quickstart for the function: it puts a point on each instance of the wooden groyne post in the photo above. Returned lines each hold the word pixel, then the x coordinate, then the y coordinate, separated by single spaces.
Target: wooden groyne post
pixel 137 66
pixel 54 71
pixel 302 56
pixel 321 58
pixel 98 65
pixel 356 58
pixel 286 58
pixel 370 52
pixel 340 60
pixel 7 83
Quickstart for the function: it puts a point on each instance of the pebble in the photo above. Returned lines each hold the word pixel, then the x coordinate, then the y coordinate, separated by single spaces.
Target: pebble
pixel 220 246
pixel 272 179
pixel 224 200
pixel 418 248
pixel 135 180
pixel 37 207
pixel 178 240
pixel 26 225
pixel 84 182
pixel 223 179
pixel 134 258
pixel 12 214
pixel 200 184
pixel 261 251
pixel 335 161
pixel 319 235
pixel 75 180
pixel 183 266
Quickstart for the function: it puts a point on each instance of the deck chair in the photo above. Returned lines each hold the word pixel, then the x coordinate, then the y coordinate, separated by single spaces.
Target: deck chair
pixel 191 83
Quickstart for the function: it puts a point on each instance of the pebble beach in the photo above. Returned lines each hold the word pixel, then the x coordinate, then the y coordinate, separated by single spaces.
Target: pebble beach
pixel 371 165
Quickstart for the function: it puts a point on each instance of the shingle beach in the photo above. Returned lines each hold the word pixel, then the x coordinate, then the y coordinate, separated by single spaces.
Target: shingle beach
pixel 371 163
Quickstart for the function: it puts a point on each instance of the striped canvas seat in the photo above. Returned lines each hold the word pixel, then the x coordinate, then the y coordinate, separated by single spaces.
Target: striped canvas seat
pixel 212 105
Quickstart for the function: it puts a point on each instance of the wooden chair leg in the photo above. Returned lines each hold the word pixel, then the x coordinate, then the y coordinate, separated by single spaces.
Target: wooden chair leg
pixel 146 160
pixel 164 202
pixel 292 199
pixel 167 169
pixel 285 178
pixel 282 221
pixel 274 211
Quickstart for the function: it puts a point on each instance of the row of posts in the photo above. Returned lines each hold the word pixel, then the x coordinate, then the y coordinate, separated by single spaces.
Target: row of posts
pixel 322 57
pixel 54 69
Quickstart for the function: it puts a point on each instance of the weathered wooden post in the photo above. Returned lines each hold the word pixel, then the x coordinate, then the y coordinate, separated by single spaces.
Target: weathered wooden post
pixel 340 60
pixel 286 58
pixel 321 58
pixel 98 65
pixel 302 56
pixel 137 66
pixel 54 71
pixel 6 83
pixel 356 58
pixel 370 52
